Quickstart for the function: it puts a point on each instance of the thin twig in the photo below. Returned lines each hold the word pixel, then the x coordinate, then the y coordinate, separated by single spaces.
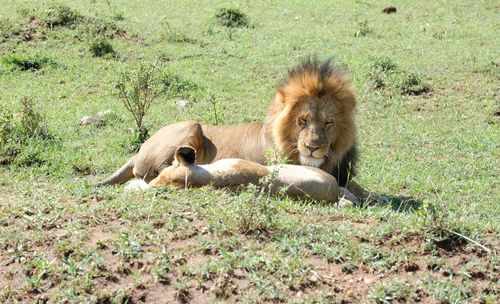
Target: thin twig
pixel 469 239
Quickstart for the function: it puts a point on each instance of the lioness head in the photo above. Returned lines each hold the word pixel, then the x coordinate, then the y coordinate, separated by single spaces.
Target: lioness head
pixel 311 116
pixel 177 174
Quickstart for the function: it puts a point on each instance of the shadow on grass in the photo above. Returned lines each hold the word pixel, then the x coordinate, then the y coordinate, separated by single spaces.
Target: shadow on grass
pixel 404 203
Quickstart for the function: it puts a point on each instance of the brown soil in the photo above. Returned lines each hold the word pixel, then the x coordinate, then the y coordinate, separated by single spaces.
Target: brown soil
pixel 139 285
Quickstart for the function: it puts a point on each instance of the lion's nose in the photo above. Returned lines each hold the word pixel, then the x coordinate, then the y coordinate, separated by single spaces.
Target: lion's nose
pixel 312 147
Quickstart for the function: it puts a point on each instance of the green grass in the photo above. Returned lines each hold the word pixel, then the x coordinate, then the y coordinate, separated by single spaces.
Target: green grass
pixel 426 79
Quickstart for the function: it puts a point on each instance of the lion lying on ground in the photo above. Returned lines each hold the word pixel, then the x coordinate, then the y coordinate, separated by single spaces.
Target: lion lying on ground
pixel 299 182
pixel 310 120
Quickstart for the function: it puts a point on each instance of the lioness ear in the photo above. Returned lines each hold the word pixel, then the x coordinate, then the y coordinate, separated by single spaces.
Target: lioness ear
pixel 185 155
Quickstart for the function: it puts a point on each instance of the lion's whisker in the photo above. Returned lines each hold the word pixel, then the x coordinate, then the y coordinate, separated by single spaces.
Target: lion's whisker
pixel 332 156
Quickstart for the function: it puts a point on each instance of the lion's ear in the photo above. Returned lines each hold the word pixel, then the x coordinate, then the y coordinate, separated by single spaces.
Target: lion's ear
pixel 280 97
pixel 185 155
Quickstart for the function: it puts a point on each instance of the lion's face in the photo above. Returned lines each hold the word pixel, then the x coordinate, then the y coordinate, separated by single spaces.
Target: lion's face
pixel 315 128
pixel 311 117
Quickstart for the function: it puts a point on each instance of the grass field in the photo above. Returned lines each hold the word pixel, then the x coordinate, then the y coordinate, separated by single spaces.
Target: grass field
pixel 427 82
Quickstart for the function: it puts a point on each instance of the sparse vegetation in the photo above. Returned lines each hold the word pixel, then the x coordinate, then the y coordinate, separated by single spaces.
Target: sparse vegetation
pixel 24 135
pixel 171 34
pixel 64 241
pixel 137 89
pixel 363 29
pixel 174 85
pixel 386 75
pixel 28 62
pixel 393 292
pixel 100 47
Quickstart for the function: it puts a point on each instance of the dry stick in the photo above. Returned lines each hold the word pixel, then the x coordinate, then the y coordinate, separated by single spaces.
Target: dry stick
pixel 469 239
pixel 459 234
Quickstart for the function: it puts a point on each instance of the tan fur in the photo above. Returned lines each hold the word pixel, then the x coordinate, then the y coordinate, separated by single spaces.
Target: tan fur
pixel 300 181
pixel 305 95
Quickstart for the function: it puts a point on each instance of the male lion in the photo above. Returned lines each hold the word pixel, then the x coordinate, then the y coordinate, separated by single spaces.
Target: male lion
pixel 310 120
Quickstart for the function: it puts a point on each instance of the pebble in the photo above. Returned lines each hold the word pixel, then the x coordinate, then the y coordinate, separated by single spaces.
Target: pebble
pixel 183 103
pixel 89 120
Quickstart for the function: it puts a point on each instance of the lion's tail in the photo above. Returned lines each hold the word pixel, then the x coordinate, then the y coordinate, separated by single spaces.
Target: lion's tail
pixel 121 175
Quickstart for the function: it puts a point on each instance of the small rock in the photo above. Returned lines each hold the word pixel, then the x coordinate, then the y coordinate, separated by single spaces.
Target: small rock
pixel 389 10
pixel 183 103
pixel 89 120
pixel 105 113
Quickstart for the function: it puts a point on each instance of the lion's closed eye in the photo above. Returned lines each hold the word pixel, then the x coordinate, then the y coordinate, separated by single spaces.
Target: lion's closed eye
pixel 302 121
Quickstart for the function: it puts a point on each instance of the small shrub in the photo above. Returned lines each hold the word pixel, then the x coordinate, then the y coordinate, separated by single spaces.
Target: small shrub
pixel 216 110
pixel 256 213
pixel 384 73
pixel 100 47
pixel 97 27
pixel 138 89
pixel 447 290
pixel 391 293
pixel 173 35
pixel 60 15
pixel 25 137
pixel 383 64
pixel 32 121
pixel 174 85
pixel 231 17
pixel 126 247
pixel 412 84
pixel 363 29
pixel 26 62
pixel 380 69
pixel 8 29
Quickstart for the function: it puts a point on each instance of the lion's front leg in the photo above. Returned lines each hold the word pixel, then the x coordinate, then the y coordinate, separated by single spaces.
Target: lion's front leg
pixel 365 196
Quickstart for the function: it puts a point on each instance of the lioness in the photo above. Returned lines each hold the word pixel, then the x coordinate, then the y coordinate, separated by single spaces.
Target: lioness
pixel 299 181
pixel 310 120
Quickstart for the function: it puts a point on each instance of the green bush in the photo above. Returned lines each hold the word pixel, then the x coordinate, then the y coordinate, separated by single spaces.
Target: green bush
pixel 100 47
pixel 412 84
pixel 385 74
pixel 231 17
pixel 25 62
pixel 60 15
pixel 363 29
pixel 138 88
pixel 175 85
pixel 97 27
pixel 23 137
pixel 8 29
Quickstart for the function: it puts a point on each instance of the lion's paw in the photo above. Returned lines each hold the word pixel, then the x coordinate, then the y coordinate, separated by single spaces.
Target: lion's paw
pixel 136 185
pixel 345 203
pixel 346 198
pixel 377 200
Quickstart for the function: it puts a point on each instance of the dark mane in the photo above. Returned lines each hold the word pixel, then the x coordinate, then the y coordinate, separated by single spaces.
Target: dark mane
pixel 312 65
